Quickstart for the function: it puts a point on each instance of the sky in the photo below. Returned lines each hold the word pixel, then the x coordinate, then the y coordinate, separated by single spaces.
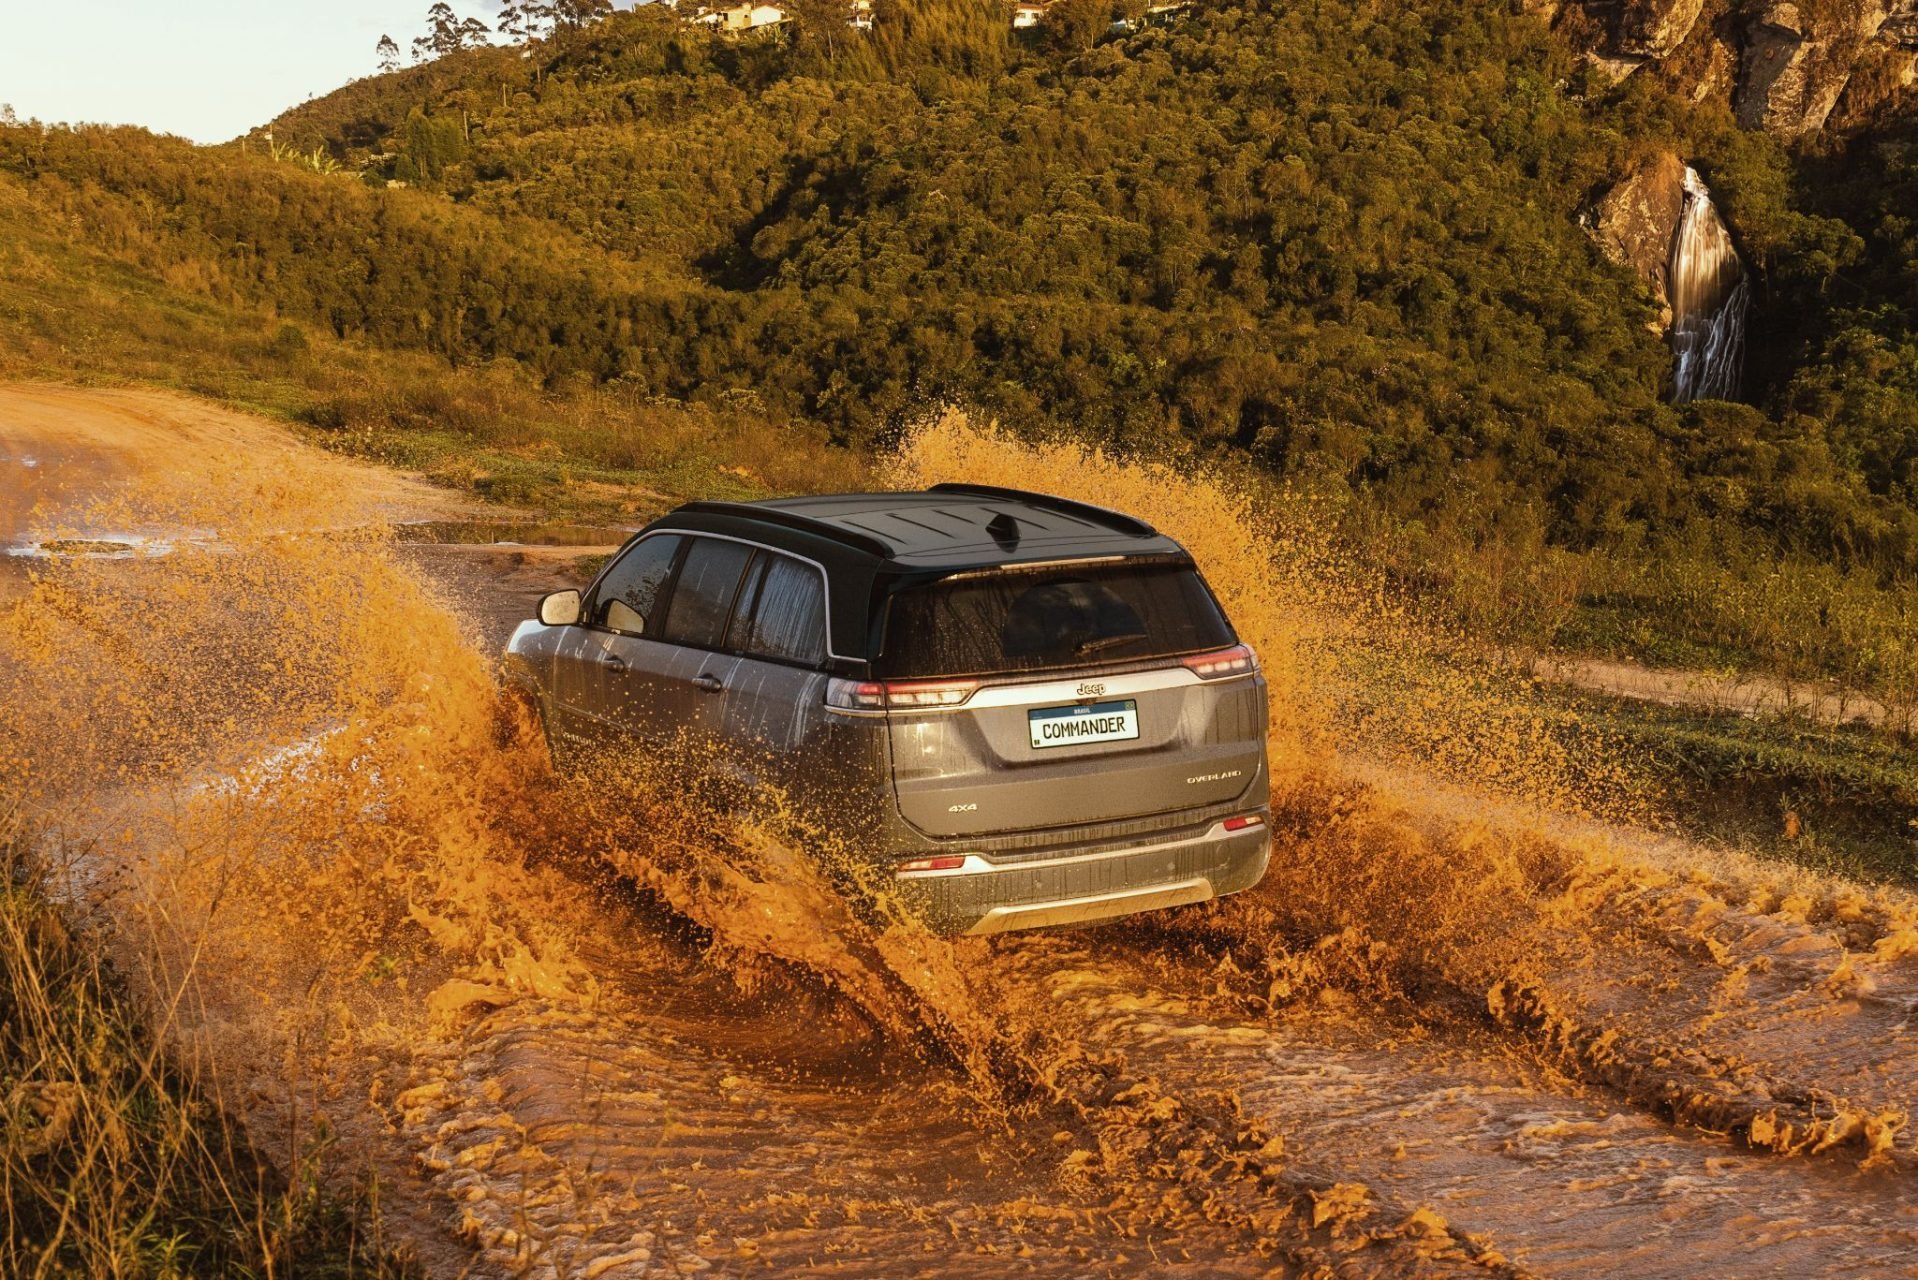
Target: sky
pixel 208 70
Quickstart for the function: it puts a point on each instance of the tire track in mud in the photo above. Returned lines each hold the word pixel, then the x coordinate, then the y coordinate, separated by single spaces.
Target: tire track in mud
pixel 1749 1020
pixel 628 1139
pixel 1791 1032
pixel 1561 1179
pixel 1104 1153
pixel 598 1143
pixel 557 1130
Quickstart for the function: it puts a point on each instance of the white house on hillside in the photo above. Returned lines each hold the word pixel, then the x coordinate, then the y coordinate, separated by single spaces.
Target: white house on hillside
pixel 1027 13
pixel 743 17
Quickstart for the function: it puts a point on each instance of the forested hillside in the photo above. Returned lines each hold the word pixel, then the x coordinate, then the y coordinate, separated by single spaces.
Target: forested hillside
pixel 1341 240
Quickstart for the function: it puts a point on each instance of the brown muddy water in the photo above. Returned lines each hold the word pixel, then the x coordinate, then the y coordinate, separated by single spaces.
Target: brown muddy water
pixel 580 1028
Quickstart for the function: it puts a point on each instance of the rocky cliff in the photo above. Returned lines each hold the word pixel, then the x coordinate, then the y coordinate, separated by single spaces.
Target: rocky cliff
pixel 1637 220
pixel 1789 68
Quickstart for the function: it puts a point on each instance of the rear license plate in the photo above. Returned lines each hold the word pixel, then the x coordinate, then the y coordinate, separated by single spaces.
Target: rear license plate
pixel 1069 726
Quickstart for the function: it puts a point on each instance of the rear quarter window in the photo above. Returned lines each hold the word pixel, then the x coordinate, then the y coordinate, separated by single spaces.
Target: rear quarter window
pixel 781 613
pixel 703 594
pixel 1014 621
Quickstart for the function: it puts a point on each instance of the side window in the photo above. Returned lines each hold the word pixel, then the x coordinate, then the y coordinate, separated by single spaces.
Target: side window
pixel 703 596
pixel 629 593
pixel 785 618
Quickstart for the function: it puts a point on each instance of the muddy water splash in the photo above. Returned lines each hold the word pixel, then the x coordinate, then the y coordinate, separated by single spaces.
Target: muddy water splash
pixel 1710 296
pixel 586 1034
pixel 1450 900
pixel 328 836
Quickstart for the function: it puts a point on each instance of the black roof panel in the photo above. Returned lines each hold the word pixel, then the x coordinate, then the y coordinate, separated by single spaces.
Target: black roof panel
pixel 865 541
pixel 957 526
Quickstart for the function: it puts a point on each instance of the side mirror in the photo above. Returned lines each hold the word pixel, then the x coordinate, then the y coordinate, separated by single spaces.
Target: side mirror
pixel 561 609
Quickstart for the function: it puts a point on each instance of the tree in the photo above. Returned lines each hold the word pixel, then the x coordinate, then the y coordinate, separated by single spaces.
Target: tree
pixel 571 15
pixel 389 53
pixel 1076 25
pixel 427 145
pixel 447 32
pixel 820 26
pixel 538 19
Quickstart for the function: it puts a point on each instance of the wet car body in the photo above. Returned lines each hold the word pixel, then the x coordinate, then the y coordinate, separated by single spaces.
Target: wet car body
pixel 1028 711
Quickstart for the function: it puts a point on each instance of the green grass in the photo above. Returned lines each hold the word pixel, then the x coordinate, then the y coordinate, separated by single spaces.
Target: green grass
pixel 116 1161
pixel 1851 792
pixel 73 314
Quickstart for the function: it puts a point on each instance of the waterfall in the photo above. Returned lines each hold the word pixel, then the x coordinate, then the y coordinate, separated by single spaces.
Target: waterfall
pixel 1710 295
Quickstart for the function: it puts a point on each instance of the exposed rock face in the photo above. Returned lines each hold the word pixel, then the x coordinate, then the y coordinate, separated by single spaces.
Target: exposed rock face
pixel 1636 221
pixel 1716 73
pixel 1794 70
pixel 1654 28
pixel 1788 68
pixel 1882 79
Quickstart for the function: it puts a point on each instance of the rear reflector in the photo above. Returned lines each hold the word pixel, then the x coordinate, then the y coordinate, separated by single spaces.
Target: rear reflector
pixel 946 862
pixel 1216 665
pixel 1242 824
pixel 873 695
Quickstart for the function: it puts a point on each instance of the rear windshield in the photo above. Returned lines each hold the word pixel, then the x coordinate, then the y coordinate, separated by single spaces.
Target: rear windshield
pixel 1013 621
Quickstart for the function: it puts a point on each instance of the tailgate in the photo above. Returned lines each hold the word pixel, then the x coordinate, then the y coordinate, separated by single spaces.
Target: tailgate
pixel 1078 749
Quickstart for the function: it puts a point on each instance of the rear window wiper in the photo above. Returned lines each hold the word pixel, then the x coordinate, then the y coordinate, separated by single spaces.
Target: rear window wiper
pixel 1106 642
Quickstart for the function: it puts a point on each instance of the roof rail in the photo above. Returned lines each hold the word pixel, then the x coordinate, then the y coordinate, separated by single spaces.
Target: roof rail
pixel 1114 520
pixel 789 520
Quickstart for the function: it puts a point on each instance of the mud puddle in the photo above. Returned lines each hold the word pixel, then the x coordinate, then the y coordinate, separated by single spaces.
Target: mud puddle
pixel 1794 1016
pixel 494 572
pixel 611 1143
pixel 681 1125
pixel 1564 1181
pixel 91 546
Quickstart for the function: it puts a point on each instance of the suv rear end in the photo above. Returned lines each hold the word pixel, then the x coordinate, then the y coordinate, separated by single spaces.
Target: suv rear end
pixel 1025 710
pixel 1067 741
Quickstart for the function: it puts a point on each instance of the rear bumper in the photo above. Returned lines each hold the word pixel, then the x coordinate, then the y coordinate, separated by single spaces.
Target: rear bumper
pixel 984 896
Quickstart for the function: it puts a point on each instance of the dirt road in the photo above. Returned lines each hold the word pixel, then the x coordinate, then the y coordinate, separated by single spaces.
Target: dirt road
pixel 1437 1041
pixel 65 450
pixel 1709 691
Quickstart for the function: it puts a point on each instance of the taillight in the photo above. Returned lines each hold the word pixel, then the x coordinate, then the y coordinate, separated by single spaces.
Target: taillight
pixel 943 693
pixel 874 695
pixel 1245 823
pixel 944 862
pixel 855 695
pixel 1216 665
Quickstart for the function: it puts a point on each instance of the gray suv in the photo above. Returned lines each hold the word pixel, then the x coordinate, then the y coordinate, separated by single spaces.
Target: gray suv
pixel 1027 711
